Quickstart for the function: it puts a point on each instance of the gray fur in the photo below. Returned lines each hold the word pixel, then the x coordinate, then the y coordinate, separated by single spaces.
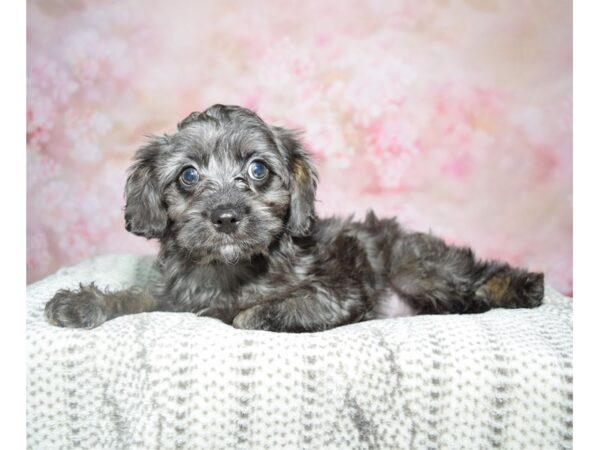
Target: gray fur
pixel 282 269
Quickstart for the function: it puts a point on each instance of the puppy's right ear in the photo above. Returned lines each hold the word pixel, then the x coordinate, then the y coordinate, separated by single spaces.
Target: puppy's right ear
pixel 145 211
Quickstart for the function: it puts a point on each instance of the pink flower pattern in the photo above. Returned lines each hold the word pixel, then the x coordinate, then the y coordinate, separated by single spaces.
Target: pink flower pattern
pixel 454 116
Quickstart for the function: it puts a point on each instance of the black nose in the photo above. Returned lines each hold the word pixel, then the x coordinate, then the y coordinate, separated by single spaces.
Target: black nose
pixel 226 220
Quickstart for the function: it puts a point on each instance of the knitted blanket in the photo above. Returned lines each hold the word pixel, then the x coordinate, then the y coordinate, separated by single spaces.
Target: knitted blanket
pixel 502 379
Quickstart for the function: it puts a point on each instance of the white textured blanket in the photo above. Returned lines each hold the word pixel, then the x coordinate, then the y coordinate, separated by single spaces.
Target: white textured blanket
pixel 175 381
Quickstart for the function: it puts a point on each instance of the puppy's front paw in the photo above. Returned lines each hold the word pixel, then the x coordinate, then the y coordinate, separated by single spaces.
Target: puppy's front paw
pixel 82 308
pixel 255 318
pixel 223 314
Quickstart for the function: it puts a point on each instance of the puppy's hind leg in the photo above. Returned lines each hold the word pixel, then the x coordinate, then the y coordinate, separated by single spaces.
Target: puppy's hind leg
pixel 509 287
pixel 88 306
pixel 437 278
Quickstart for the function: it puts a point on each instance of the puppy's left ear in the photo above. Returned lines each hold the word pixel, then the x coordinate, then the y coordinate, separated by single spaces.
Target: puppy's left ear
pixel 303 181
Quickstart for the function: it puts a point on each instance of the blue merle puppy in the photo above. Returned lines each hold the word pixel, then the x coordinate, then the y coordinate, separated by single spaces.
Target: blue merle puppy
pixel 231 200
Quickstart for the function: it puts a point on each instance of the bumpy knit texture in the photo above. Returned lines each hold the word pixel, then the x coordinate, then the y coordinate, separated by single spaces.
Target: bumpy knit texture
pixel 502 379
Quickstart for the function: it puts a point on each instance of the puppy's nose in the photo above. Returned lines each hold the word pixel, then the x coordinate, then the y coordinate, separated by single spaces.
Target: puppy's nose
pixel 226 220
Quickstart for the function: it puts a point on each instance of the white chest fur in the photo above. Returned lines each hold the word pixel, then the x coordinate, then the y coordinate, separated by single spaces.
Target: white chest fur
pixel 395 306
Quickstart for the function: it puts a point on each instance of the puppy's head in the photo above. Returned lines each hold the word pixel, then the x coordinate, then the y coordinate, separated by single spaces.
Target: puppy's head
pixel 223 187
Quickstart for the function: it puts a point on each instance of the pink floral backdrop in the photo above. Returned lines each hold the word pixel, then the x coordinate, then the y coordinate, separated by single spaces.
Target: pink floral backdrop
pixel 455 116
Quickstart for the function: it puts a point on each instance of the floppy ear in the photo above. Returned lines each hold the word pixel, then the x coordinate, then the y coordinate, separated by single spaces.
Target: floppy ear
pixel 303 181
pixel 145 212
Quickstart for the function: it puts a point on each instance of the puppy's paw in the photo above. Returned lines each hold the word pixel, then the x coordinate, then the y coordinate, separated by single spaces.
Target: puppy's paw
pixel 513 289
pixel 223 314
pixel 82 308
pixel 531 289
pixel 255 318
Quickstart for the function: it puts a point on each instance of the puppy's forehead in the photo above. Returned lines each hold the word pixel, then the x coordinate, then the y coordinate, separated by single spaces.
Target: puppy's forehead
pixel 233 141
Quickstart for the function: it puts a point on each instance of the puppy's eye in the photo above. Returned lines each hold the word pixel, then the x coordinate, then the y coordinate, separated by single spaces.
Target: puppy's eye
pixel 258 171
pixel 189 176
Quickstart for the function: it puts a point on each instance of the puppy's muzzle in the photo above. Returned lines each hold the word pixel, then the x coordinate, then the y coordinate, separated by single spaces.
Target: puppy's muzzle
pixel 226 219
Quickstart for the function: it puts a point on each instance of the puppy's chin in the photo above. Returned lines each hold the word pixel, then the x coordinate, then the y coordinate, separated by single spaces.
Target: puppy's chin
pixel 230 254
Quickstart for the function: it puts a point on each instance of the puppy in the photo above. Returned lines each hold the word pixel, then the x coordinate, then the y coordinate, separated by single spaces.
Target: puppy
pixel 231 200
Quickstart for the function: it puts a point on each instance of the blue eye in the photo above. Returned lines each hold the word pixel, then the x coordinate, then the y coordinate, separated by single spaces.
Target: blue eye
pixel 258 171
pixel 189 176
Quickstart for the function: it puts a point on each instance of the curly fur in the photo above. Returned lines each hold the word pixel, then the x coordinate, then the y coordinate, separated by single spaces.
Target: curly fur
pixel 282 269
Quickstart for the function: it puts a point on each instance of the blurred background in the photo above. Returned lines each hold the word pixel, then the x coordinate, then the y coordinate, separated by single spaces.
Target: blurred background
pixel 455 116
